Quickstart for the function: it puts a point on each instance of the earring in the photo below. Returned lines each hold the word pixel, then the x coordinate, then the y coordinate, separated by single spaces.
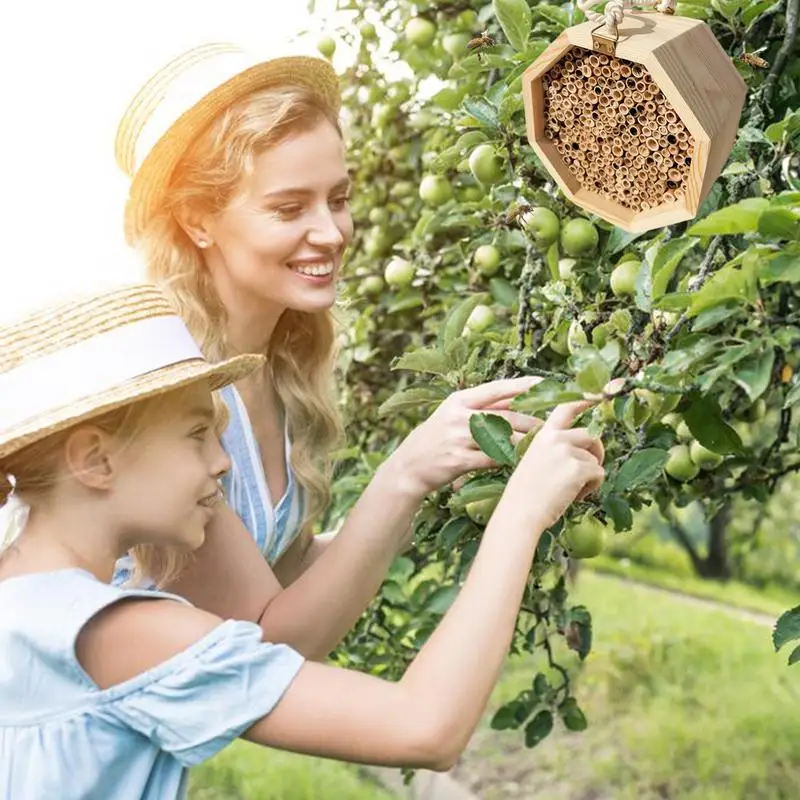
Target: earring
pixel 202 244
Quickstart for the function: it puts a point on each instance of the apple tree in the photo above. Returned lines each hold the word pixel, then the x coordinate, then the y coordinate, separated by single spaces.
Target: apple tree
pixel 469 264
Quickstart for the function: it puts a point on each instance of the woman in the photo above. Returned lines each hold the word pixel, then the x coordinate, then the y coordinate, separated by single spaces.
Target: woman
pixel 239 203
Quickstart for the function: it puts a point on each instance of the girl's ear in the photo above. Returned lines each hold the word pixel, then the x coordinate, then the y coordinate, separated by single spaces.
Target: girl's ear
pixel 88 460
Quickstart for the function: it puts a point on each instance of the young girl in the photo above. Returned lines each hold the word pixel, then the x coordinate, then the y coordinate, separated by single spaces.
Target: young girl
pixel 239 202
pixel 107 692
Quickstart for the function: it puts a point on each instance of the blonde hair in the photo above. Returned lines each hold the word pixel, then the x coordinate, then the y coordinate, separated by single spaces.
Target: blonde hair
pixel 301 354
pixel 35 471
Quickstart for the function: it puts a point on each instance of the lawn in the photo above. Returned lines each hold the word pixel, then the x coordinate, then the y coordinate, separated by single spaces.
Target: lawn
pixel 247 772
pixel 683 702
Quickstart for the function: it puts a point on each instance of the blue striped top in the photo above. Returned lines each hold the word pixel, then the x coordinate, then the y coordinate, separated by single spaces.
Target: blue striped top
pixel 273 526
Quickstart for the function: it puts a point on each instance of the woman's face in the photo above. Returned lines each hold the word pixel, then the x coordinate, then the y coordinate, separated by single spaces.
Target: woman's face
pixel 280 241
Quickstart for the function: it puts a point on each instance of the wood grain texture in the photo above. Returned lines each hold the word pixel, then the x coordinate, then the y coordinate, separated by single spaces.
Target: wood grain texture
pixel 699 81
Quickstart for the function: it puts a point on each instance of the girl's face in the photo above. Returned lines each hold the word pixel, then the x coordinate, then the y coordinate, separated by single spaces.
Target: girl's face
pixel 279 243
pixel 167 485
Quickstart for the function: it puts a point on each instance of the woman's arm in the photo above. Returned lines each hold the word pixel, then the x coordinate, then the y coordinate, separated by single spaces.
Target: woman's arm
pixel 329 587
pixel 229 577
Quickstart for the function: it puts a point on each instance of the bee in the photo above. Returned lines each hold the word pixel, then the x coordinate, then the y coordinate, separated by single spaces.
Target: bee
pixel 516 213
pixel 479 42
pixel 753 59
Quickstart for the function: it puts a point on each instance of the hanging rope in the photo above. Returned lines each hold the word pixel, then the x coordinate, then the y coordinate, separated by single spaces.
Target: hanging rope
pixel 615 10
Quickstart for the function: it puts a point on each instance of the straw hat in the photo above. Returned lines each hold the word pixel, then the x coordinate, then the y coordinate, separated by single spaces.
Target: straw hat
pixel 183 98
pixel 71 362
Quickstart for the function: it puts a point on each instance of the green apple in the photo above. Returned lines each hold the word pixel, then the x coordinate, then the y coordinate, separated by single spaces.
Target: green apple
pixel 623 278
pixel 683 431
pixel 399 272
pixel 420 32
pixel 542 225
pixel 435 190
pixel 664 319
pixel 481 318
pixel 377 242
pixel 703 457
pixel 606 411
pixel 673 420
pixel 579 237
pixel 371 286
pixel 756 411
pixel 585 539
pixel 487 259
pixel 471 194
pixel 402 189
pixel 680 465
pixel 486 165
pixel 327 46
pixel 378 216
pixel 368 32
pixel 481 510
pixel 565 267
pixel 455 44
pixel 467 20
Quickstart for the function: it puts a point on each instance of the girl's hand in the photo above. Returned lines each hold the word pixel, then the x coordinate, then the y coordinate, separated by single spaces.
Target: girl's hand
pixel 562 464
pixel 442 449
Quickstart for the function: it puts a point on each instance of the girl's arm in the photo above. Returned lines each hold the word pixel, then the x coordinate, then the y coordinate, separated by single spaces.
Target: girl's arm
pixel 329 588
pixel 426 719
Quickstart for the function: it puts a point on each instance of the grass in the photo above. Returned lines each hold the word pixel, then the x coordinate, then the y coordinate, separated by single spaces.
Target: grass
pixel 683 701
pixel 772 600
pixel 245 771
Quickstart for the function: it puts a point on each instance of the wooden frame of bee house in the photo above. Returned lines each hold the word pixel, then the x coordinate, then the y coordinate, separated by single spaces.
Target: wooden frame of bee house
pixel 638 129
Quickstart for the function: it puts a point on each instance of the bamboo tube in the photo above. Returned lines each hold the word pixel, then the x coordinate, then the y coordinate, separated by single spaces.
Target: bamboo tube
pixel 594 60
pixel 650 107
pixel 624 70
pixel 616 94
pixel 675 175
pixel 637 71
pixel 605 71
pixel 663 143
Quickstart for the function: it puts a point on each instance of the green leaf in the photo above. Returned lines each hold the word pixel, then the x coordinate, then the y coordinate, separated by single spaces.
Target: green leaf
pixel 740 218
pixel 441 599
pixel 783 268
pixel 515 19
pixel 503 292
pixel 412 398
pixel 505 718
pixel 493 435
pixel 573 717
pixel 579 631
pixel 456 319
pixel 401 570
pixel 779 223
pixel 795 656
pixel 450 535
pixel 538 728
pixel 787 628
pixel 483 111
pixel 737 280
pixel 754 374
pixel 641 469
pixel 592 372
pixel 620 512
pixel 793 396
pixel 704 418
pixel 547 394
pixel 427 359
pixel 666 262
pixel 618 240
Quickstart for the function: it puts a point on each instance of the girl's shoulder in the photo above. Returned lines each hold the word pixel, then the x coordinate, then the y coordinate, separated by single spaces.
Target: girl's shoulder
pixel 41 618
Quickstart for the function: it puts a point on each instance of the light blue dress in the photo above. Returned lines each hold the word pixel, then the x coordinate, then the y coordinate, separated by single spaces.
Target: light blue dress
pixel 273 526
pixel 63 738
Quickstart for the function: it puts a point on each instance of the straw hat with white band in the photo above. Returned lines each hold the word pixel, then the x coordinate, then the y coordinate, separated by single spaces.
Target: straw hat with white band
pixel 69 363
pixel 183 99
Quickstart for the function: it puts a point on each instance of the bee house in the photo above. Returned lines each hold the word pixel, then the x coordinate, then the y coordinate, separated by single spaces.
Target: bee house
pixel 637 129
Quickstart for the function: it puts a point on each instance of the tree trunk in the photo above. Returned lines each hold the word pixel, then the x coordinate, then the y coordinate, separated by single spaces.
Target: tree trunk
pixel 716 564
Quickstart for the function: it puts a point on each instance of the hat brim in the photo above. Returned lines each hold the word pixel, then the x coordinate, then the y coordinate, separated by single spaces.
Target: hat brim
pixel 162 381
pixel 150 183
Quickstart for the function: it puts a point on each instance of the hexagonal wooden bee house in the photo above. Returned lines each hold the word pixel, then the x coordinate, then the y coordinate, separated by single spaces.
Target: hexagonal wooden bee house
pixel 638 129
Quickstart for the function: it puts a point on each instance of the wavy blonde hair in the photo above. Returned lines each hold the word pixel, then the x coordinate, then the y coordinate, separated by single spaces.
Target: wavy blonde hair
pixel 301 354
pixel 37 468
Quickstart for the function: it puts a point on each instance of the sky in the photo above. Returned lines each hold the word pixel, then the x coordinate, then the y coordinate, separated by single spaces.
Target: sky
pixel 68 72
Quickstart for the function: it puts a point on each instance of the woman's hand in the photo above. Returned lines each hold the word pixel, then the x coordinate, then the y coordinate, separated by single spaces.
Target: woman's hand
pixel 442 449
